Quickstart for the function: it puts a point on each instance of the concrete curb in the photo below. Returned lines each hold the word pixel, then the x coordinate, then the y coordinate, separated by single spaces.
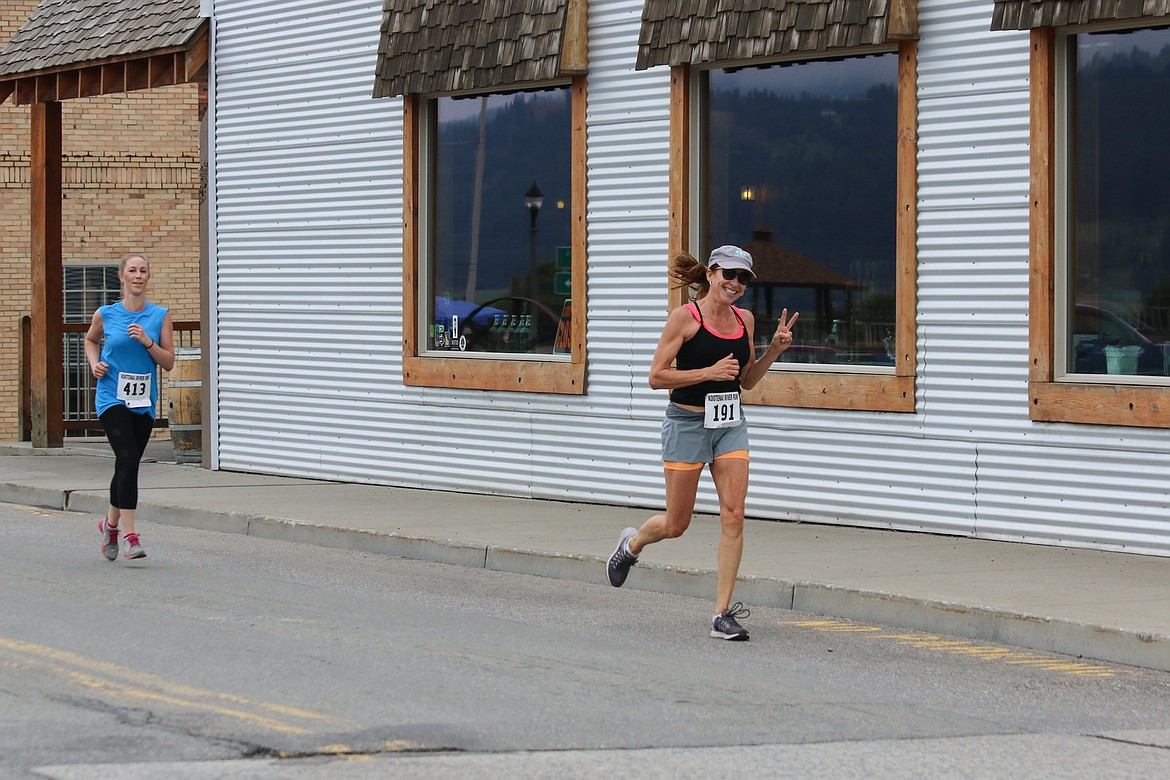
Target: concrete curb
pixel 50 498
pixel 933 616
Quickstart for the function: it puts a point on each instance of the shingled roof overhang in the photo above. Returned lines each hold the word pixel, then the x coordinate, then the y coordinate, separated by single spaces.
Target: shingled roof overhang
pixel 703 32
pixel 1027 14
pixel 448 46
pixel 84 48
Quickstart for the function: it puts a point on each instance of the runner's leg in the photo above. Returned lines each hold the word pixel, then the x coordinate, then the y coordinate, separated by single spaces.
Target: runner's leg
pixel 681 487
pixel 731 481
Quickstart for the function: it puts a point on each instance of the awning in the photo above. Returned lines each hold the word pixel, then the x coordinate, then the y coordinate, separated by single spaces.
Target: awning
pixel 1026 14
pixel 696 32
pixel 84 48
pixel 445 46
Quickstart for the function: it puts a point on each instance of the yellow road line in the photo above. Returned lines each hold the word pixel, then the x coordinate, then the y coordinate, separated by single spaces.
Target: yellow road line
pixel 118 681
pixel 964 647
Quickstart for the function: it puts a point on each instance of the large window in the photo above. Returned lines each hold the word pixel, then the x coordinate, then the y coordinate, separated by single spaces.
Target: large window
pixel 1115 318
pixel 810 165
pixel 1100 294
pixel 495 248
pixel 499 242
pixel 800 163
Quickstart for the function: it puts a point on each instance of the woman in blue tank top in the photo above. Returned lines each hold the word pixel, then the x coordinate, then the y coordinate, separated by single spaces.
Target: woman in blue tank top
pixel 705 355
pixel 126 343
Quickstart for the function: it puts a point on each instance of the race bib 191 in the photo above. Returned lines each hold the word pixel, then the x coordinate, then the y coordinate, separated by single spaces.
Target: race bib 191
pixel 134 390
pixel 721 410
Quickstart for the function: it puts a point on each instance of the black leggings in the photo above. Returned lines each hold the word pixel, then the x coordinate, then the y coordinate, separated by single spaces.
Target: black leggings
pixel 128 433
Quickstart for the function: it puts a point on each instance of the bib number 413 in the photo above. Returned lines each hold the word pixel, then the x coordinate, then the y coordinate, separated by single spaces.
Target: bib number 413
pixel 134 389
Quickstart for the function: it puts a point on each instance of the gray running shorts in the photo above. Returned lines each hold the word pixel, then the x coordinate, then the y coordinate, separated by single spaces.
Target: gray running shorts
pixel 685 440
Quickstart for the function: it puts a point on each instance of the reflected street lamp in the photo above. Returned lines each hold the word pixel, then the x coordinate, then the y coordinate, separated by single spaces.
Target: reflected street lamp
pixel 533 200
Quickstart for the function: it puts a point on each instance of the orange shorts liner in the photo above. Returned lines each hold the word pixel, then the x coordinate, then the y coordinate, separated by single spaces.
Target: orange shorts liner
pixel 675 465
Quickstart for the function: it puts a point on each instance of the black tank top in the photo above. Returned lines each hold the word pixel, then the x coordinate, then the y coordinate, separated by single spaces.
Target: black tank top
pixel 706 348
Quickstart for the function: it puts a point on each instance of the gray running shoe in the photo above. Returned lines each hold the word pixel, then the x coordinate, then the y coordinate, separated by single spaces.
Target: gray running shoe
pixel 131 549
pixel 109 541
pixel 622 559
pixel 725 626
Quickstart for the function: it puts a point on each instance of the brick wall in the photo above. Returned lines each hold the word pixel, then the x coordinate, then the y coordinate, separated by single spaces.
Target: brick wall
pixel 131 184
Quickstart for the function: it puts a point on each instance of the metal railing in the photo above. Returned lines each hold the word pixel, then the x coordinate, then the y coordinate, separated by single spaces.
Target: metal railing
pixel 77 383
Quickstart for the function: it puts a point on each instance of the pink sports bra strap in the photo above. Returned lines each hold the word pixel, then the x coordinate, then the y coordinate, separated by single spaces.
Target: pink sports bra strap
pixel 697 313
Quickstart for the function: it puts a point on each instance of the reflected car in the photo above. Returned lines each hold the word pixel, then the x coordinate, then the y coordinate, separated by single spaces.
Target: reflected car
pixel 1095 328
pixel 499 333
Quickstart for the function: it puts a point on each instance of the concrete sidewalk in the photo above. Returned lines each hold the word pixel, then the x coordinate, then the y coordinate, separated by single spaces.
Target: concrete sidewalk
pixel 1101 605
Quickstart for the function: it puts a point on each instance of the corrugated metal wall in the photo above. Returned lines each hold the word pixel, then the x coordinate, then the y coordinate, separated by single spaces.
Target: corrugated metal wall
pixel 308 197
pixel 1064 484
pixel 308 204
pixel 308 279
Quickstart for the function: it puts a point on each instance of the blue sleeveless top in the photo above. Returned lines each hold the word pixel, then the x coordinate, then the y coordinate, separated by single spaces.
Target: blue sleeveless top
pixel 706 348
pixel 124 354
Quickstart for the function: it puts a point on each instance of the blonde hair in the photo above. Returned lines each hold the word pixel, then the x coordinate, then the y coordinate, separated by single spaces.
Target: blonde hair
pixel 686 271
pixel 128 258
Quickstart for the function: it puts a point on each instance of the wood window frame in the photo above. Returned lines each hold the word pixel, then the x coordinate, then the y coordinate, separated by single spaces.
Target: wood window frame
pixel 1051 400
pixel 534 375
pixel 809 388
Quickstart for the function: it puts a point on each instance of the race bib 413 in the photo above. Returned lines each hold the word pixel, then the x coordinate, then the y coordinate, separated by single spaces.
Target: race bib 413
pixel 134 389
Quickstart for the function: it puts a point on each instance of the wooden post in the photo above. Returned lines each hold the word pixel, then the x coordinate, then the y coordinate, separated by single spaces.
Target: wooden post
pixel 25 414
pixel 46 372
pixel 1042 263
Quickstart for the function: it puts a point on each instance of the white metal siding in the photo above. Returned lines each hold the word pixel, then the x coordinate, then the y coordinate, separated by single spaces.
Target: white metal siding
pixel 973 167
pixel 309 301
pixel 308 172
pixel 1065 484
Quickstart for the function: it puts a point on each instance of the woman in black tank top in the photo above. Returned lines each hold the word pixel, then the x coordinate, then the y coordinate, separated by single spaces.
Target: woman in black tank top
pixel 705 348
pixel 705 356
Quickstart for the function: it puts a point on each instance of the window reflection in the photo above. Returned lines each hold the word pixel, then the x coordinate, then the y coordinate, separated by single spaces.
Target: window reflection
pixel 801 170
pixel 1119 259
pixel 501 228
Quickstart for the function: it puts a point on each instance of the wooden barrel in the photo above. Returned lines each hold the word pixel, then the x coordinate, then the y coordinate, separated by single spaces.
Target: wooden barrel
pixel 184 388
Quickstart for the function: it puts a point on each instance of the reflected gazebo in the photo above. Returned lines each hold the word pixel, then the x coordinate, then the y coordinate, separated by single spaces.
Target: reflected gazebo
pixel 778 267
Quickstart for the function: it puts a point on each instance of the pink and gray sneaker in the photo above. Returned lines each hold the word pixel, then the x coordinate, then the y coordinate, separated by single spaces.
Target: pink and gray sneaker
pixel 109 540
pixel 131 549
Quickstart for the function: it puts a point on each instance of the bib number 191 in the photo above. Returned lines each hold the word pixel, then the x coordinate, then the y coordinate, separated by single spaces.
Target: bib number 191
pixel 721 410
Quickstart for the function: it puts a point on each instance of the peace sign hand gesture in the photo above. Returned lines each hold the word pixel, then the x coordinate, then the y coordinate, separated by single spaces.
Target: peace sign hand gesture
pixel 782 338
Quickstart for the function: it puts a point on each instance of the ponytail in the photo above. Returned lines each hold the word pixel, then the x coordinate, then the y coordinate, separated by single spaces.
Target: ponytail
pixel 686 271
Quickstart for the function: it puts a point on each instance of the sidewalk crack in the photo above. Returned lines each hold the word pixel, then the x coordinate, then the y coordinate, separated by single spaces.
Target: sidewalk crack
pixel 1124 741
pixel 975 497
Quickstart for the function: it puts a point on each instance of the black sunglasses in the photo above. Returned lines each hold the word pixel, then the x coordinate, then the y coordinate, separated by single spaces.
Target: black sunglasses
pixel 745 277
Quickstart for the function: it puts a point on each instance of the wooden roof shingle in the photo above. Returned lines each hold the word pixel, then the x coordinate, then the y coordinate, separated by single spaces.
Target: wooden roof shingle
pixel 64 34
pixel 437 46
pixel 1027 14
pixel 694 32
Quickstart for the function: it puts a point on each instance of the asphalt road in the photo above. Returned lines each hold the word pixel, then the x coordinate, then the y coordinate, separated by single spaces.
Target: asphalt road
pixel 224 656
